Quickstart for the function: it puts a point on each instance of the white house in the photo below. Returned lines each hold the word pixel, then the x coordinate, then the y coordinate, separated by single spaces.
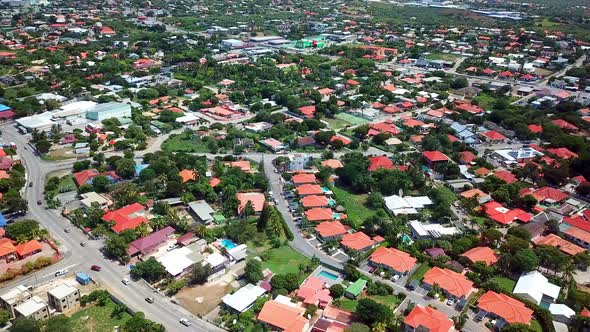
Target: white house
pixel 244 298
pixel 406 205
pixel 562 313
pixel 535 287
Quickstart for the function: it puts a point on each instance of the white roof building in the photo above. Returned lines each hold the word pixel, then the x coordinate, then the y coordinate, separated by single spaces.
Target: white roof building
pixel 535 287
pixel 189 117
pixel 511 156
pixel 32 306
pixel 244 298
pixel 561 312
pixel 406 205
pixel 216 259
pixel 62 291
pixel 177 261
pixel 425 231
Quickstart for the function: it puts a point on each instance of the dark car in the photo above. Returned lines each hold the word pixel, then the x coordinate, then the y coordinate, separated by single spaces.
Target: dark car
pixel 30 184
pixel 39 203
pixel 95 268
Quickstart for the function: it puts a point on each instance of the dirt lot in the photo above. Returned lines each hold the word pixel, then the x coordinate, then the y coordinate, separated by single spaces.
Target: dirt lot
pixel 200 300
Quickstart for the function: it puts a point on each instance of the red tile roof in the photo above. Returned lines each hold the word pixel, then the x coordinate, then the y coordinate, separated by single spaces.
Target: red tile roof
pixel 430 319
pixel 28 248
pixel 535 129
pixel 309 189
pixel 499 213
pixel 559 243
pixel 564 125
pixel 319 214
pixel 314 291
pixel 452 282
pixel 187 175
pixel 6 247
pixel 126 217
pixel 307 111
pixel 302 178
pixel 150 241
pixel 257 200
pixel 493 135
pixel 357 241
pixel 84 176
pixel 579 234
pixel 314 201
pixel 545 193
pixel 331 228
pixel 505 176
pixel 395 259
pixel 467 156
pixel 502 305
pixel 285 317
pixel 434 156
pixel 563 153
pixel 481 254
pixel 380 162
pixel 332 163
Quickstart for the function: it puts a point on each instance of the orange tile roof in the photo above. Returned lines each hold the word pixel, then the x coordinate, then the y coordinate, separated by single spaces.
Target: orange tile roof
pixel 561 244
pixel 482 171
pixel 257 200
pixel 285 317
pixel 357 241
pixel 395 259
pixel 6 247
pixel 309 189
pixel 314 291
pixel 331 228
pixel 452 282
pixel 244 165
pixel 302 178
pixel 435 156
pixel 187 175
pixel 505 176
pixel 314 201
pixel 432 319
pixel 473 193
pixel 332 163
pixel 481 254
pixel 467 156
pixel 29 247
pixel 319 214
pixel 502 305
pixel 579 234
pixel 337 314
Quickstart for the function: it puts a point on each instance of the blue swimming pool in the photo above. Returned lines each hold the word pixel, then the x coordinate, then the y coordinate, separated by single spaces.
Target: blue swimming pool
pixel 228 244
pixel 328 275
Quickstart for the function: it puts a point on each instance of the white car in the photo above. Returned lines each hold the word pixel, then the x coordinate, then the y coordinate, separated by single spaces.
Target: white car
pixel 185 322
pixel 125 281
pixel 61 272
pixel 395 277
pixel 451 301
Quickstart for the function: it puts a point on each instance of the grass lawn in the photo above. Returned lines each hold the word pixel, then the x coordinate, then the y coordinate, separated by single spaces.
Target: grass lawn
pixel 179 143
pixel 442 56
pixel 351 118
pixel 348 304
pixel 419 272
pixel 536 326
pixel 390 301
pixel 99 319
pixel 354 204
pixel 336 123
pixel 284 260
pixel 505 283
pixel 67 184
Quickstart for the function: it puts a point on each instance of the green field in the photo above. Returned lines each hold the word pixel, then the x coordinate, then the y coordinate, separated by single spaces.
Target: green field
pixel 67 184
pixel 284 260
pixel 337 123
pixel 179 143
pixel 94 318
pixel 355 120
pixel 354 204
pixel 391 301
pixel 419 272
pixel 442 56
pixel 505 283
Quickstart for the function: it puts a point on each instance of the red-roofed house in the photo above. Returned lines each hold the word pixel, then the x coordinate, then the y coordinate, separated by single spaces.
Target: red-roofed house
pixel 493 137
pixel 331 230
pixel 127 217
pixel 358 241
pixel 499 213
pixel 188 175
pixel 433 157
pixel 397 261
pixel 563 153
pixel 315 201
pixel 319 214
pixel 302 178
pixel 283 317
pixel 84 177
pixel 309 189
pixel 28 249
pixel 332 163
pixel 564 125
pixel 7 250
pixel 545 194
pixel 451 282
pixel 428 319
pixel 380 162
pixel 307 111
pixel 505 176
pixel 314 292
pixel 481 254
pixel 151 243
pixel 535 129
pixel 257 200
pixel 466 157
pixel 559 243
pixel 503 306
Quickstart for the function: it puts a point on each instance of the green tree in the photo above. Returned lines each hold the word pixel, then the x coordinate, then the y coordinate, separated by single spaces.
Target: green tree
pixel 125 168
pixel 371 312
pixel 310 310
pixel 525 260
pixel 4 317
pixel 43 146
pixel 151 270
pixel 22 324
pixel 253 271
pixel 200 273
pixel 337 290
pixel 287 281
pixel 25 229
pixel 358 327
pixel 59 323
pixel 100 183
pixel 139 323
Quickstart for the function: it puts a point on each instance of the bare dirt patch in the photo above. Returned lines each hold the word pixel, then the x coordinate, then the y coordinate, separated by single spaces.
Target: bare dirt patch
pixel 200 300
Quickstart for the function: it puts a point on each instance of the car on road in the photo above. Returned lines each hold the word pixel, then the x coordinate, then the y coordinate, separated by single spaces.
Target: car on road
pixel 67 230
pixel 125 281
pixel 95 268
pixel 83 244
pixel 39 203
pixel 395 277
pixel 61 272
pixel 30 184
pixel 451 301
pixel 149 299
pixel 185 322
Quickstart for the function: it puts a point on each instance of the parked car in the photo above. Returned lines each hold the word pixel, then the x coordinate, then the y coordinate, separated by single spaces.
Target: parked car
pixel 125 281
pixel 67 230
pixel 39 203
pixel 149 299
pixel 30 184
pixel 451 301
pixel 185 322
pixel 95 268
pixel 83 244
pixel 61 272
pixel 395 277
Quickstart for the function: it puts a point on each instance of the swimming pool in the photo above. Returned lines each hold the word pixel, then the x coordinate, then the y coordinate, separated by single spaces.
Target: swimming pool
pixel 228 244
pixel 328 275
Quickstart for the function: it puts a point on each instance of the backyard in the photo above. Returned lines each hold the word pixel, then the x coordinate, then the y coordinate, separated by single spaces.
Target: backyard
pixel 182 143
pixel 419 272
pixel 94 318
pixel 391 301
pixel 506 284
pixel 336 123
pixel 354 204
pixel 284 260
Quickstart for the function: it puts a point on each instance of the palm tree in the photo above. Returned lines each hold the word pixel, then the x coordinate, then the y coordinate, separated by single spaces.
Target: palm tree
pixel 248 209
pixel 568 272
pixel 201 231
pixel 158 223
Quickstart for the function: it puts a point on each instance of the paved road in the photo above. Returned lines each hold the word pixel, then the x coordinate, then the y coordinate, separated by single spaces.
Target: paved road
pixel 78 258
